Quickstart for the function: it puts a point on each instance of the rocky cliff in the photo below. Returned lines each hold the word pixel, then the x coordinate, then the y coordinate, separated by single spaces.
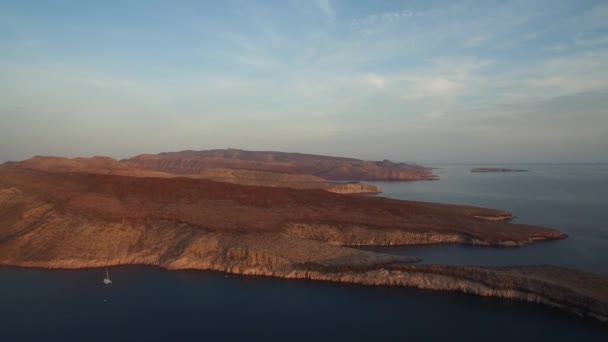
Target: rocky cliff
pixel 579 292
pixel 76 220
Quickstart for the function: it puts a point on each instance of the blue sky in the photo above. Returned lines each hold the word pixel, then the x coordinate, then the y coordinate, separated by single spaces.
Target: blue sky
pixel 422 81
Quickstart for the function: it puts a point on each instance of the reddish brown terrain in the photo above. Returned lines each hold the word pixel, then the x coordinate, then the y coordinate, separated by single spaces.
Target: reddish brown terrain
pixel 332 168
pixel 109 166
pixel 310 214
pixel 79 219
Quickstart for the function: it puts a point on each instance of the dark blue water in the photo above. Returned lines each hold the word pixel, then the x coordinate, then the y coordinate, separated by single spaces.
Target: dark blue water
pixel 150 304
pixel 572 198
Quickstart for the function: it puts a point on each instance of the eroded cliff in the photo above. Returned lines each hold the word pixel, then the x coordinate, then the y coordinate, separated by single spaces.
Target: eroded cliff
pixel 76 220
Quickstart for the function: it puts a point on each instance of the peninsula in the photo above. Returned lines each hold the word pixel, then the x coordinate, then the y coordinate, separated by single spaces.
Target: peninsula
pixel 80 219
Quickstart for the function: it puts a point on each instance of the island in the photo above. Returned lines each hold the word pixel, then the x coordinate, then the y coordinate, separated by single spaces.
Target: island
pixel 80 219
pixel 327 167
pixel 494 169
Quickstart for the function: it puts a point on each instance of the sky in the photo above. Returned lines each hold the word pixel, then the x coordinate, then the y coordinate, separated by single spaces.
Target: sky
pixel 417 81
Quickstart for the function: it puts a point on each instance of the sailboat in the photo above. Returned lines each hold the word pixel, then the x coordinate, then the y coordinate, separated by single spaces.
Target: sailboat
pixel 107 280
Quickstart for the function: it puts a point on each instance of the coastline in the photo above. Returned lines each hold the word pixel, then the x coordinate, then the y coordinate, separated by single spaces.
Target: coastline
pixel 512 282
pixel 78 220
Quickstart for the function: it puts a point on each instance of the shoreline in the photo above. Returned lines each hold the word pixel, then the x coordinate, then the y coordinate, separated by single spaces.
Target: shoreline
pixel 80 220
pixel 508 282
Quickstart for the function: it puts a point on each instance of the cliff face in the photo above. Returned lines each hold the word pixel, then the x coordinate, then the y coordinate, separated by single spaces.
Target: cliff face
pixel 44 236
pixel 581 293
pixel 77 241
pixel 76 220
pixel 333 168
pixel 353 188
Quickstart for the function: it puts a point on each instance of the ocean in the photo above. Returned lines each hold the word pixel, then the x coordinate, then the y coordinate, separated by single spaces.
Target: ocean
pixel 571 198
pixel 151 304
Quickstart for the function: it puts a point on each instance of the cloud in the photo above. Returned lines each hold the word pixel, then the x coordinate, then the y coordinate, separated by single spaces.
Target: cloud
pixel 433 87
pixel 521 38
pixel 596 16
pixel 562 76
pixel 375 80
pixel 557 47
pixel 298 74
pixel 439 86
pixel 476 40
pixel 326 8
pixel 592 27
pixel 591 42
pixel 388 17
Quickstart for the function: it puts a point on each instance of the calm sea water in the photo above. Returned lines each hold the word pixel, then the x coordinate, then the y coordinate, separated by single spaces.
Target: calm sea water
pixel 150 304
pixel 571 198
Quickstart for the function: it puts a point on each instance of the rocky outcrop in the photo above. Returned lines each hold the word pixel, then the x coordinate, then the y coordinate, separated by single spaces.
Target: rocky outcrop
pixel 332 168
pixel 505 216
pixel 578 292
pixel 353 188
pixel 353 235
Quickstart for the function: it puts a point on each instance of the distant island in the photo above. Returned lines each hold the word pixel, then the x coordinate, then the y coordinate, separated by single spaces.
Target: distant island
pixel 330 168
pixel 493 169
pixel 95 212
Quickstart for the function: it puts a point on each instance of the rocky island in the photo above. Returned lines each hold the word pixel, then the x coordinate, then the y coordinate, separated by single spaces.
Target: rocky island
pixel 101 215
pixel 331 168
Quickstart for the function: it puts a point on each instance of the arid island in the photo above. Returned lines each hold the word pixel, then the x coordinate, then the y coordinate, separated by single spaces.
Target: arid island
pixel 332 168
pixel 182 213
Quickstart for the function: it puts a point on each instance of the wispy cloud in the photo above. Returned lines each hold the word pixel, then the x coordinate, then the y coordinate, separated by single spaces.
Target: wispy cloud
pixel 557 47
pixel 308 77
pixel 476 40
pixel 591 40
pixel 375 80
pixel 327 9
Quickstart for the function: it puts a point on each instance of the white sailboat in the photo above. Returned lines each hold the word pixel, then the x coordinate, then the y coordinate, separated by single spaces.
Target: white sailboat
pixel 107 280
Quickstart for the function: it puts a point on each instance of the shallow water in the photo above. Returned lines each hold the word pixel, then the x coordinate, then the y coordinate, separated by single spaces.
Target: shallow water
pixel 151 304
